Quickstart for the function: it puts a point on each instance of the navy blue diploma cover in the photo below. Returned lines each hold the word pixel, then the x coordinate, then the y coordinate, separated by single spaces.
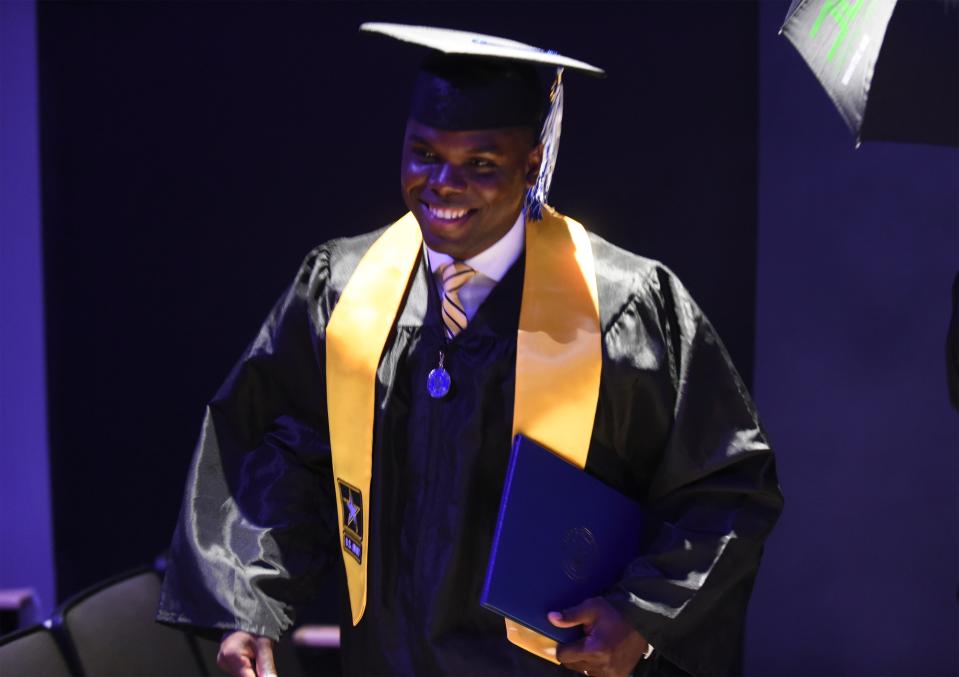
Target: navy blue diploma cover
pixel 561 537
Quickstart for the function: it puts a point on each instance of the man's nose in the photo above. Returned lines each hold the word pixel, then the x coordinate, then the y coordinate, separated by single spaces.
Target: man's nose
pixel 446 180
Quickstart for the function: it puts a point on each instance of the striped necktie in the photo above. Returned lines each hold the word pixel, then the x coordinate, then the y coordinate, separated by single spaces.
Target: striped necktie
pixel 454 275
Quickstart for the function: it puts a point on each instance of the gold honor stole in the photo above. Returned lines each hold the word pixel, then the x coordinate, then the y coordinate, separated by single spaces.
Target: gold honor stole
pixel 558 363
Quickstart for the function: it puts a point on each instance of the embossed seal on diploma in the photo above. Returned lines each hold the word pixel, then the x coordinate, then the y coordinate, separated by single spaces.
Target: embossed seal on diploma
pixel 579 553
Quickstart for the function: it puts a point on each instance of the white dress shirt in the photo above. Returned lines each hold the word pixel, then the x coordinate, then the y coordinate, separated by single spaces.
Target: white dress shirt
pixel 490 265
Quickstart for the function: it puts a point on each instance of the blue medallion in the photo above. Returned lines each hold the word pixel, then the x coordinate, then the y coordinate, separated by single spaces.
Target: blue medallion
pixel 438 382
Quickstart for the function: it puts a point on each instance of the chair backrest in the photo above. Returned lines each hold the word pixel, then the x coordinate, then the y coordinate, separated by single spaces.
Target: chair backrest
pixel 18 608
pixel 32 651
pixel 112 630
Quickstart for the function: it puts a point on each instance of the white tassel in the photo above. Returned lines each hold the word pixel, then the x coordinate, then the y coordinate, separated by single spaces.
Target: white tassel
pixel 549 137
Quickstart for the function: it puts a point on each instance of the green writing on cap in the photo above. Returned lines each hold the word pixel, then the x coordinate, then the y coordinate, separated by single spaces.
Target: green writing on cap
pixel 844 12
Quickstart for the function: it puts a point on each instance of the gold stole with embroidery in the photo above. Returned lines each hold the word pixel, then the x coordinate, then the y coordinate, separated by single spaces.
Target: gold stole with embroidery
pixel 558 362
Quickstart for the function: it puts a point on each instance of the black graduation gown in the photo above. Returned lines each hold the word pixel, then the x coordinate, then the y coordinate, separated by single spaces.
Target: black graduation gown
pixel 675 428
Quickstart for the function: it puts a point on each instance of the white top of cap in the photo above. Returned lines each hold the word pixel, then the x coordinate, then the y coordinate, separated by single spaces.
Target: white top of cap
pixel 463 42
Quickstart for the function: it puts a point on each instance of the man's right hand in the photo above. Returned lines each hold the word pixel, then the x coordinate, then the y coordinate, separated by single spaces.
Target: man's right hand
pixel 245 655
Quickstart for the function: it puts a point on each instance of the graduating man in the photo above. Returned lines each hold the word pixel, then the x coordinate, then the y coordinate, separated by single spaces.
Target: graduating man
pixel 369 423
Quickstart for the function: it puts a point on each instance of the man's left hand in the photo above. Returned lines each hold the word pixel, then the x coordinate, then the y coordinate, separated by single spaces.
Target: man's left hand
pixel 611 647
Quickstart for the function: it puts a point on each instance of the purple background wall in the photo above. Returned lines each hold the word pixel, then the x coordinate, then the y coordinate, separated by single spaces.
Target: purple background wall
pixel 26 548
pixel 857 251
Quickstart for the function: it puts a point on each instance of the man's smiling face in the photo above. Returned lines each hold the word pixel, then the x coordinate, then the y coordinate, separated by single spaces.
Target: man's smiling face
pixel 466 188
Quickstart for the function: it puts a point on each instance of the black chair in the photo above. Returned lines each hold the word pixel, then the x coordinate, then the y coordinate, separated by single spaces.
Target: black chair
pixel 112 631
pixel 32 652
pixel 18 608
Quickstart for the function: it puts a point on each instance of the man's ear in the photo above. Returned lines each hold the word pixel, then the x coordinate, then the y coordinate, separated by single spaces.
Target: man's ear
pixel 533 162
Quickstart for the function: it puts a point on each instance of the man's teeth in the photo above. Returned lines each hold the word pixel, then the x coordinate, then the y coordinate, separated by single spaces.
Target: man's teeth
pixel 448 214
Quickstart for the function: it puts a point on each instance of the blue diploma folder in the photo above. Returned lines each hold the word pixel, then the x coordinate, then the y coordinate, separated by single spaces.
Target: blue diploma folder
pixel 562 536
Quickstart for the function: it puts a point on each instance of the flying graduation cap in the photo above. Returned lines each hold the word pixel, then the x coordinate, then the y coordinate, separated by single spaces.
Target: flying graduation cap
pixel 475 81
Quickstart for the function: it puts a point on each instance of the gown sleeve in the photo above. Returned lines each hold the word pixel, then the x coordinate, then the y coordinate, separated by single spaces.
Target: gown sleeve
pixel 713 497
pixel 258 523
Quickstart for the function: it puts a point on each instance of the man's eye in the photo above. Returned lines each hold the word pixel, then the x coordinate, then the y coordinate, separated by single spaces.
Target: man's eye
pixel 424 155
pixel 483 163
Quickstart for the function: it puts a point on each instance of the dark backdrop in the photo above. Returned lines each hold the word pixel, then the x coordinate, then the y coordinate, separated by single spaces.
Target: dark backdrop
pixel 193 153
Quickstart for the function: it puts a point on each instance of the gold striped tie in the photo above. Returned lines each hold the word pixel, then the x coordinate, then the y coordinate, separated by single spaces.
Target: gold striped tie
pixel 454 275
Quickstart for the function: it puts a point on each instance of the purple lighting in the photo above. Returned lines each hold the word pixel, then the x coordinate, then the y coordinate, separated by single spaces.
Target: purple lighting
pixel 26 549
pixel 857 252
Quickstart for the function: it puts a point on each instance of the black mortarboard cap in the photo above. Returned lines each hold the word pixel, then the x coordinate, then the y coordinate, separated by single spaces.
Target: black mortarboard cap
pixel 475 81
pixel 457 92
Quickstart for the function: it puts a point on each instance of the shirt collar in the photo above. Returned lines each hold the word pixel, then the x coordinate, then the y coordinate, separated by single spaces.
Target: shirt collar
pixel 495 260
